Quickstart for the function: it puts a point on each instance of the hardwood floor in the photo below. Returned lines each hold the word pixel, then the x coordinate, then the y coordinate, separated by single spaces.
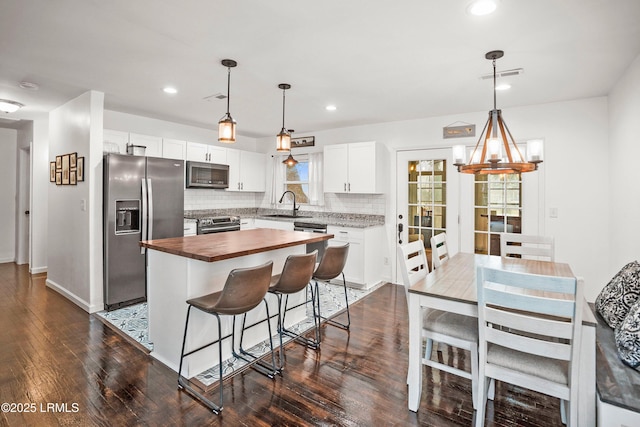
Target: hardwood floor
pixel 68 368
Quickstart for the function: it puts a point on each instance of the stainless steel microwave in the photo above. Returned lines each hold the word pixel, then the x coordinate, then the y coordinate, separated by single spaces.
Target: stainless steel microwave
pixel 207 175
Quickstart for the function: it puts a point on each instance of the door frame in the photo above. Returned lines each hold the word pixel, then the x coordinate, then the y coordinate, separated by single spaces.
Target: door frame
pixel 453 198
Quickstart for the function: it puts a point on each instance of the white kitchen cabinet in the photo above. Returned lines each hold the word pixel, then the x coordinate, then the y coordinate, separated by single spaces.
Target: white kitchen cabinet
pixel 174 149
pixel 153 144
pixel 366 258
pixel 247 223
pixel 247 170
pixel 355 168
pixel 206 153
pixel 113 138
pixel 279 225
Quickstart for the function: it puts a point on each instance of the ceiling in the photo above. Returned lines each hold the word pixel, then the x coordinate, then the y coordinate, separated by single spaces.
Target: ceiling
pixel 377 61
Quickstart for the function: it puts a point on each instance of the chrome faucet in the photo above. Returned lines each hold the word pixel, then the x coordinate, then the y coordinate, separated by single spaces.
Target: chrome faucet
pixel 295 209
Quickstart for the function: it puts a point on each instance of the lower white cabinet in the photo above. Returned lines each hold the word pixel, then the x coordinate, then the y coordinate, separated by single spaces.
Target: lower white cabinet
pixel 365 261
pixel 247 223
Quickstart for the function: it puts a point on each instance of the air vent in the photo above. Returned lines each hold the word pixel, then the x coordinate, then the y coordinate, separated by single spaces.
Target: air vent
pixel 215 96
pixel 504 73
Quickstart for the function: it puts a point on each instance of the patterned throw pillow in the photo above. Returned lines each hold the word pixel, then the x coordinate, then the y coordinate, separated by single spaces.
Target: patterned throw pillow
pixel 616 299
pixel 628 337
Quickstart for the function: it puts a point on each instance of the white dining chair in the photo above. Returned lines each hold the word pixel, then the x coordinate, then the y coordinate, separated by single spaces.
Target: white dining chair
pixel 439 249
pixel 530 332
pixel 440 326
pixel 527 246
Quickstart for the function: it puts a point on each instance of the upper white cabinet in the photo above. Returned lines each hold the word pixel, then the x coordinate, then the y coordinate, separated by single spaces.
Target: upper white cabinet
pixel 247 170
pixel 197 152
pixel 174 149
pixel 111 137
pixel 153 144
pixel 355 168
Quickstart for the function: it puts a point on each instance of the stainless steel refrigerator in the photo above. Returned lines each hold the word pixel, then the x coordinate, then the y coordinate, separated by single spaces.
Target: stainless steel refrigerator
pixel 143 200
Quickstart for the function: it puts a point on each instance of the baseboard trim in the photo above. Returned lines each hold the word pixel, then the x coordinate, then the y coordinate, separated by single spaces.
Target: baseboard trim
pixel 37 270
pixel 69 295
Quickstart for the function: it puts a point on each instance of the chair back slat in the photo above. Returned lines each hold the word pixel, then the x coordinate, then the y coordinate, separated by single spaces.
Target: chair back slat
pixel 566 285
pixel 527 246
pixel 525 344
pixel 524 302
pixel 557 327
pixel 412 262
pixel 439 249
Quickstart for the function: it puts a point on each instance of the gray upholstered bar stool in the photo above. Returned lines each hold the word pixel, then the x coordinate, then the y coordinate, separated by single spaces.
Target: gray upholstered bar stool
pixel 244 289
pixel 331 266
pixel 295 277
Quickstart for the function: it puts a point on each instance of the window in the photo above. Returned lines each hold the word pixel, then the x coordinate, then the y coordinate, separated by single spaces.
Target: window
pixel 427 199
pixel 498 209
pixel 297 179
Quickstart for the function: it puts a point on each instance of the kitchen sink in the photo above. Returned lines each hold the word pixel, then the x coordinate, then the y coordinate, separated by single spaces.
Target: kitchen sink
pixel 285 216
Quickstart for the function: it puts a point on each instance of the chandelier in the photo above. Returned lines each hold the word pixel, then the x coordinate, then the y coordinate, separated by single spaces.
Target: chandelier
pixel 499 152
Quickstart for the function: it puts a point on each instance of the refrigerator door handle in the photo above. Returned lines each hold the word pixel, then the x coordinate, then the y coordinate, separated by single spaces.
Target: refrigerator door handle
pixel 150 225
pixel 143 236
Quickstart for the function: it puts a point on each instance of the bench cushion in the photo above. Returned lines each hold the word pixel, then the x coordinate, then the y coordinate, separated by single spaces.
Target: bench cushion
pixel 628 337
pixel 619 295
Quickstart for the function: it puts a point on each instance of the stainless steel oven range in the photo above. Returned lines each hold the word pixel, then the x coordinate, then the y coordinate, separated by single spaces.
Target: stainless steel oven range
pixel 218 224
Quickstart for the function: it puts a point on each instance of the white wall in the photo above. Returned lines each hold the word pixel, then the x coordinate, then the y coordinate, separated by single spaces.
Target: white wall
pixel 575 135
pixel 39 217
pixel 624 153
pixel 8 167
pixel 75 242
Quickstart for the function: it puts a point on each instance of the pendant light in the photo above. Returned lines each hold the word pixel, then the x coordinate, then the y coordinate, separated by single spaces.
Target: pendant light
pixel 290 161
pixel 490 158
pixel 283 139
pixel 226 125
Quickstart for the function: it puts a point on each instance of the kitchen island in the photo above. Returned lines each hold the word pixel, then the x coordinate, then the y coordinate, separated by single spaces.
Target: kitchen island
pixel 181 268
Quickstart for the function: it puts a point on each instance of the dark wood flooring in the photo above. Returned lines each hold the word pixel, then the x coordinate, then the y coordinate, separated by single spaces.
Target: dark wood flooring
pixel 61 366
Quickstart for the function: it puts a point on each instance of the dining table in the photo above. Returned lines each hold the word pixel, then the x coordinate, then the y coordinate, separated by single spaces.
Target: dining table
pixel 452 287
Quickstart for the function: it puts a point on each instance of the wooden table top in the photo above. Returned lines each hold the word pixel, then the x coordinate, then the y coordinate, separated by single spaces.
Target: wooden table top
pixel 455 280
pixel 232 244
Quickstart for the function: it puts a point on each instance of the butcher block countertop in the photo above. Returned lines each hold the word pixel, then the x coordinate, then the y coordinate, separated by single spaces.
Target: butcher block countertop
pixel 232 244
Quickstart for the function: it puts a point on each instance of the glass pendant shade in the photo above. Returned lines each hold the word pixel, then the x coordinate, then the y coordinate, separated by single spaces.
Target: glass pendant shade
pixel 283 141
pixel 227 129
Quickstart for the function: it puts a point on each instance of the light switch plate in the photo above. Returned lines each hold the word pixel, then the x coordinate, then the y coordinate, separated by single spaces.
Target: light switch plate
pixel 553 212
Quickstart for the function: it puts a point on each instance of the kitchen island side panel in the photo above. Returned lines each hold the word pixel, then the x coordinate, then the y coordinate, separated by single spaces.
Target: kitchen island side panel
pixel 174 279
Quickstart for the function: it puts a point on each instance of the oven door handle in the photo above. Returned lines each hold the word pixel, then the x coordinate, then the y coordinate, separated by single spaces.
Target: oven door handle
pixel 220 229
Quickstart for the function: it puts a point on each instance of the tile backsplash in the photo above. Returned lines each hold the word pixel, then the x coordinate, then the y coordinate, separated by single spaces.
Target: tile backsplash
pixel 197 199
pixel 202 199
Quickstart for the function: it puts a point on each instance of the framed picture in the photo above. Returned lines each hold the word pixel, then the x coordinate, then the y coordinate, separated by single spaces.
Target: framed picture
pixel 65 169
pixel 58 162
pixel 303 141
pixel 52 172
pixel 59 177
pixel 80 169
pixel 73 160
pixel 72 177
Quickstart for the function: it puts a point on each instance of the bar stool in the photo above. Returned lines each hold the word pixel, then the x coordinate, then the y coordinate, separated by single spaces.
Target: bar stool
pixel 295 276
pixel 331 266
pixel 244 289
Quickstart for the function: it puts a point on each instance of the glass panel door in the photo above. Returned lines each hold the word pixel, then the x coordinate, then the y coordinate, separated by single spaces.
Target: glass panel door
pixel 427 199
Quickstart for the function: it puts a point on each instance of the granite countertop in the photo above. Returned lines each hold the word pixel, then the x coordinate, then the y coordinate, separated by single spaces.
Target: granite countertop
pixel 339 219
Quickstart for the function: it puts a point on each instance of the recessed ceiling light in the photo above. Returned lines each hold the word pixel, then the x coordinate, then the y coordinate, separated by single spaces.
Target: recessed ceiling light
pixel 330 108
pixel 503 86
pixel 171 90
pixel 482 7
